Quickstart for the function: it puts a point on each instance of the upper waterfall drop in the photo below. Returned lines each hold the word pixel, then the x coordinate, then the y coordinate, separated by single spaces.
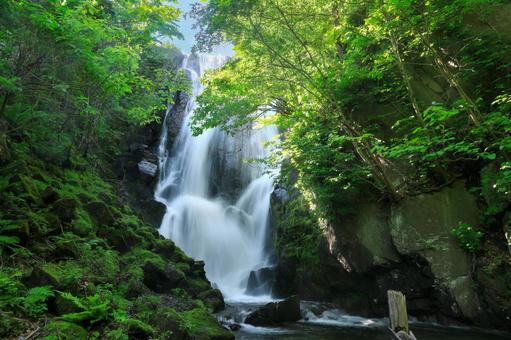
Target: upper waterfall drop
pixel 217 203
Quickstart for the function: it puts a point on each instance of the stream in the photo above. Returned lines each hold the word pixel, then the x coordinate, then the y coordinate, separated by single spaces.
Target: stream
pixel 324 322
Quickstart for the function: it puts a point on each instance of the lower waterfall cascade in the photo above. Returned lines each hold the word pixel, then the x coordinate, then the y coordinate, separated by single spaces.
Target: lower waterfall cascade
pixel 218 203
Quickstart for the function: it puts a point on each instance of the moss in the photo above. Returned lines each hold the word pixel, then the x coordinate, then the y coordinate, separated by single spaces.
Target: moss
pixel 82 224
pixel 138 329
pixel 140 257
pixel 63 330
pixel 202 324
pixel 95 267
pixel 196 286
pixel 63 275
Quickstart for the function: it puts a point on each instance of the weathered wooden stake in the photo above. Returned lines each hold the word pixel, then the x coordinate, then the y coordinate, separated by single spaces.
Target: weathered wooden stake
pixel 399 316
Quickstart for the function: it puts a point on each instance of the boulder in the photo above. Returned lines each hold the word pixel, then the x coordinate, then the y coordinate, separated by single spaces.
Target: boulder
pixel 214 299
pixel 276 312
pixel 364 238
pixel 147 168
pixel 153 212
pixel 162 280
pixel 280 195
pixel 261 281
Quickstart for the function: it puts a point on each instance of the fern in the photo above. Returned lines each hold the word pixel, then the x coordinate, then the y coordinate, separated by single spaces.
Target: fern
pixel 35 301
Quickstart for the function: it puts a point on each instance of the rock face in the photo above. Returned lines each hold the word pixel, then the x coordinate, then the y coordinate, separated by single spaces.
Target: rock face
pixel 422 226
pixel 261 281
pixel 137 168
pixel 408 246
pixel 276 312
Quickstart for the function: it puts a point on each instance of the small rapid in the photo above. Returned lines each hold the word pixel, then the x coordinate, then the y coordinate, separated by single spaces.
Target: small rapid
pixel 218 202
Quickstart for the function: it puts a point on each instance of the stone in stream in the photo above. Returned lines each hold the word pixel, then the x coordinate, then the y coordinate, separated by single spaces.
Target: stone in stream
pixel 276 312
pixel 260 281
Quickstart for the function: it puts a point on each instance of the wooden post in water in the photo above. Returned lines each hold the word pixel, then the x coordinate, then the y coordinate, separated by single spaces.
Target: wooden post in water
pixel 399 316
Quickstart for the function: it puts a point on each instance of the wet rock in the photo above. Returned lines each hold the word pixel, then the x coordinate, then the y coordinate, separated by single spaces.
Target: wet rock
pixel 153 212
pixel 234 327
pixel 276 312
pixel 176 117
pixel 213 298
pixel 261 281
pixel 280 195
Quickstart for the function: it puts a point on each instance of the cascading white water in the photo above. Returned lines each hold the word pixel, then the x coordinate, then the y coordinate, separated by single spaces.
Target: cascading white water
pixel 211 219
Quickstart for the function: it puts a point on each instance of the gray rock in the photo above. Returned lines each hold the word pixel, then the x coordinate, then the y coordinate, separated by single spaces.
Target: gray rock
pixel 148 168
pixel 276 312
pixel 280 195
pixel 422 226
pixel 261 281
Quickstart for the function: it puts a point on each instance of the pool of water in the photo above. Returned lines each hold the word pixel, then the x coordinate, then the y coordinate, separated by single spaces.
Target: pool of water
pixel 321 322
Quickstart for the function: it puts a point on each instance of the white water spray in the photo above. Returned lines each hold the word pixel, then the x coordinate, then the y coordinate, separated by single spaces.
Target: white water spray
pixel 217 204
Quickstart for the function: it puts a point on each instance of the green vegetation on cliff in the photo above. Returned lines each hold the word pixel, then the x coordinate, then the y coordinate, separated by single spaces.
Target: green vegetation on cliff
pixel 76 262
pixel 387 98
pixel 375 99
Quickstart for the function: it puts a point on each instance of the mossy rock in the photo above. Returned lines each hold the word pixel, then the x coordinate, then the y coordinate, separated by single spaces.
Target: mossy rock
pixel 153 310
pixel 138 329
pixel 62 330
pixel 62 276
pixel 164 248
pixel 214 299
pixel 101 213
pixel 162 280
pixel 43 275
pixel 120 239
pixel 203 325
pixel 167 319
pixel 197 286
pixel 133 288
pixel 65 209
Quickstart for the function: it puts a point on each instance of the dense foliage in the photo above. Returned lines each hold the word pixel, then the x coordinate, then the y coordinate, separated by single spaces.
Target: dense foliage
pixel 373 98
pixel 76 76
pixel 71 70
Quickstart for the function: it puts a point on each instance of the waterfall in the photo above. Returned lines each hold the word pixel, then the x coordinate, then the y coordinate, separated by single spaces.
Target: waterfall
pixel 217 203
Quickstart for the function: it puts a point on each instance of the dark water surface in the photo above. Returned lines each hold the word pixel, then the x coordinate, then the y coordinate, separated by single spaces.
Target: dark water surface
pixel 303 330
pixel 325 323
